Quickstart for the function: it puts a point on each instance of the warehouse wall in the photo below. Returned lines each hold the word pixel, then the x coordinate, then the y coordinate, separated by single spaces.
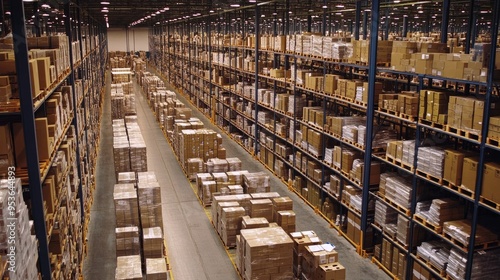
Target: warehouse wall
pixel 137 39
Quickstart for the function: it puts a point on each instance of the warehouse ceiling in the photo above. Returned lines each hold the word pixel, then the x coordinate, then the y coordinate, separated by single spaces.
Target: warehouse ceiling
pixel 145 13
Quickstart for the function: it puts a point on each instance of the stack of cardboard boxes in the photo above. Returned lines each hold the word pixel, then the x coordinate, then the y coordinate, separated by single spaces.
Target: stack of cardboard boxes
pixel 467 113
pixel 265 253
pixel 126 205
pixel 391 258
pixel 128 268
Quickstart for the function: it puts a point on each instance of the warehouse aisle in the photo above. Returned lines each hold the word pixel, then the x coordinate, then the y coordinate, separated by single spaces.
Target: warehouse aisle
pixel 101 258
pixel 194 249
pixel 357 268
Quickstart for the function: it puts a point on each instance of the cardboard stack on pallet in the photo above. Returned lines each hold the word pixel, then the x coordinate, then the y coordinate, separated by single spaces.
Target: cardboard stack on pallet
pixel 265 253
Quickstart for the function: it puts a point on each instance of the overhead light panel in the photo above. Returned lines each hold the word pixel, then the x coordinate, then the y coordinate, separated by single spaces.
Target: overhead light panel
pixel 235 5
pixel 105 3
pixel 340 6
pixel 104 11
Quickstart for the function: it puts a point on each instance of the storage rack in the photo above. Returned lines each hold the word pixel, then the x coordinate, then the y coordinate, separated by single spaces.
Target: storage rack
pixel 181 59
pixel 88 58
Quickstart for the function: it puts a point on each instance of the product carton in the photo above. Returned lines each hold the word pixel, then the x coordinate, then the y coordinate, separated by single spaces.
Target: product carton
pixel 469 173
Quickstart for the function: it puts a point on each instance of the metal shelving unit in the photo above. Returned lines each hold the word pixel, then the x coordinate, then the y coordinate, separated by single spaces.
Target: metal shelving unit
pixel 87 67
pixel 366 15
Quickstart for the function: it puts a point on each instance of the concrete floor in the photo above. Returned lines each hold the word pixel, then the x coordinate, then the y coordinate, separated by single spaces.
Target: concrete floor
pixel 195 250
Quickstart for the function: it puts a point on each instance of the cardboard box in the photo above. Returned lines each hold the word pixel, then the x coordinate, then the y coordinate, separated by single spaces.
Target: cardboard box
pixel 44 78
pixel 7 67
pixel 453 166
pixel 333 271
pixel 35 83
pixel 469 173
pixel 42 138
pixel 491 181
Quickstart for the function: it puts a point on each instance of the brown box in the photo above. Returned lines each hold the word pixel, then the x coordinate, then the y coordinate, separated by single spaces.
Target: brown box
pixel 469 173
pixel 42 138
pixel 20 150
pixel 44 78
pixel 453 166
pixel 35 83
pixel 7 67
pixel 333 271
pixel 491 181
pixel 4 80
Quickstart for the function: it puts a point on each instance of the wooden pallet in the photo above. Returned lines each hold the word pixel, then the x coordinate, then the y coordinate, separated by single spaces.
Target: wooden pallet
pixel 390 112
pixel 397 206
pixel 441 272
pixel 361 103
pixel 491 203
pixel 432 124
pixel 460 189
pixel 490 141
pixel 432 226
pixel 399 163
pixel 465 247
pixel 408 117
pixel 10 107
pixel 429 177
pixel 464 133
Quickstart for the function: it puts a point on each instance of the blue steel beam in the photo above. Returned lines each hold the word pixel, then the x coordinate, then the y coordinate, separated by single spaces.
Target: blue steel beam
pixel 445 20
pixel 28 123
pixel 365 25
pixel 370 112
pixel 357 20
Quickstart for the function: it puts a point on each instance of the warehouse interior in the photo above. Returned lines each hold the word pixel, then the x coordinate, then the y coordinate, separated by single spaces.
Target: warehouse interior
pixel 249 139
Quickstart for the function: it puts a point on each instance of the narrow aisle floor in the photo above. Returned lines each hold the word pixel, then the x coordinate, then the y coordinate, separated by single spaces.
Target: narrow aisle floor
pixel 357 268
pixel 101 258
pixel 194 249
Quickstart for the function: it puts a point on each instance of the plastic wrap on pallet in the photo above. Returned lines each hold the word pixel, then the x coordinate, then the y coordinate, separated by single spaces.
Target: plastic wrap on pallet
pixel 146 177
pixel 126 205
pixel 217 165
pixel 127 241
pixel 149 196
pixel 350 132
pixel 194 166
pixel 460 231
pixel 126 178
pixel 317 46
pixel 408 152
pixel 156 268
pixel 256 182
pixel 234 164
pixel 428 248
pixel 117 104
pixel 485 265
pixel 398 190
pixel 128 268
pixel 152 240
pixel 236 177
pixel 445 209
pixel 431 161
pixel 230 224
pixel 381 137
pixel 384 214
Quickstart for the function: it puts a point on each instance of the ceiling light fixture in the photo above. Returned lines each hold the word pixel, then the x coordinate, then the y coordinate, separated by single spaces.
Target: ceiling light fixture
pixel 235 5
